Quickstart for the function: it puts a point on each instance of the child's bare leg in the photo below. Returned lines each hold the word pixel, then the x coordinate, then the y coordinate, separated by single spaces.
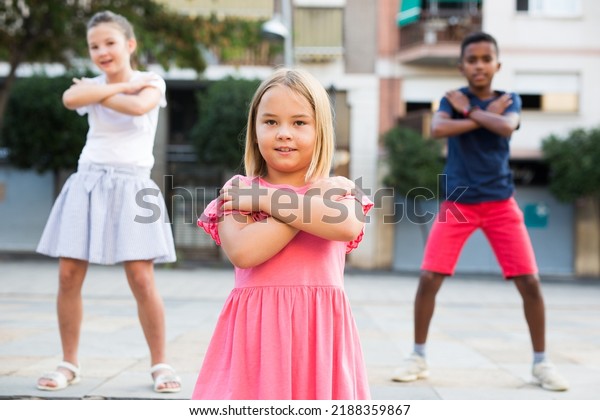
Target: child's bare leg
pixel 533 305
pixel 69 307
pixel 140 275
pixel 429 285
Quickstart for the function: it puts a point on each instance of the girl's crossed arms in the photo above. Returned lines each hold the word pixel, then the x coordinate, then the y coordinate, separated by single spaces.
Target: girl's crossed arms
pixel 327 210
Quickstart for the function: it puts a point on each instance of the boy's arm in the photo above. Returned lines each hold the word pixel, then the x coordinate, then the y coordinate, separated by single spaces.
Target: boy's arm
pixel 248 243
pixel 494 119
pixel 443 125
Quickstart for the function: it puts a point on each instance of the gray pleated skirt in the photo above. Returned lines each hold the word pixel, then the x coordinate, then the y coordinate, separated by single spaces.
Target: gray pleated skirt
pixel 106 215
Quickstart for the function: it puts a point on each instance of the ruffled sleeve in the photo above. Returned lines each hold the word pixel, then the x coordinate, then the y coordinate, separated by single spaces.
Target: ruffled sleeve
pixel 212 214
pixel 367 204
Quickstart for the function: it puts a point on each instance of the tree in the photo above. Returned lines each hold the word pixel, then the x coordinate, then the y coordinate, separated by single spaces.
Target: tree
pixel 575 177
pixel 55 138
pixel 414 164
pixel 573 162
pixel 37 31
pixel 218 136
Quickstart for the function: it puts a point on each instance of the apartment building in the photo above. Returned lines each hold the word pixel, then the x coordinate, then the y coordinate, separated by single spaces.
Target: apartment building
pixel 387 63
pixel 319 32
pixel 551 57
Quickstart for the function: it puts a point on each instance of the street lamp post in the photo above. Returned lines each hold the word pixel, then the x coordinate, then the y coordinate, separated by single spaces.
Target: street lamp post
pixel 280 27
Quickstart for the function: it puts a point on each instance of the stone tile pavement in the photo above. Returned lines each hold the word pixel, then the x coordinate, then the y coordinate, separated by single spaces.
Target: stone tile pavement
pixel 478 349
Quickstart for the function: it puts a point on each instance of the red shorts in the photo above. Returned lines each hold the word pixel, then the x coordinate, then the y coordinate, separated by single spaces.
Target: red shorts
pixel 503 225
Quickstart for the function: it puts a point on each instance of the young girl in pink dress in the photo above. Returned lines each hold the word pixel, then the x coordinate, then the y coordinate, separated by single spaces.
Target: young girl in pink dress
pixel 286 330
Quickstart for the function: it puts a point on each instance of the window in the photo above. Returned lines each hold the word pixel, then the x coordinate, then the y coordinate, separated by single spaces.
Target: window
pixel 318 33
pixel 550 8
pixel 419 106
pixel 558 92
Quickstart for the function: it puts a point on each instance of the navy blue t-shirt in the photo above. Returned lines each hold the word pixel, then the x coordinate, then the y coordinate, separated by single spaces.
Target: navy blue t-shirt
pixel 477 167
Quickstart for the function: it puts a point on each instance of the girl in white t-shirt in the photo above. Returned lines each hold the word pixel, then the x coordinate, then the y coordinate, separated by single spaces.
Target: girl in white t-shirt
pixel 110 211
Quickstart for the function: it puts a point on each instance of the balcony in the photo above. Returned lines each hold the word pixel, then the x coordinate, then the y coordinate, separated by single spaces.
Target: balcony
pixel 435 39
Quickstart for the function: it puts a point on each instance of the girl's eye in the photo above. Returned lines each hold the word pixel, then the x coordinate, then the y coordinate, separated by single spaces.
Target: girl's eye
pixel 270 122
pixel 300 123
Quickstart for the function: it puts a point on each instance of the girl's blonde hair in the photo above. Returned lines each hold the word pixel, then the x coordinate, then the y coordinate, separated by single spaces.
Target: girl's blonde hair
pixel 307 86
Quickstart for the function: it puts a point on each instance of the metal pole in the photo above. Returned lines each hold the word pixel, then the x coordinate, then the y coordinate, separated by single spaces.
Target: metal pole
pixel 288 52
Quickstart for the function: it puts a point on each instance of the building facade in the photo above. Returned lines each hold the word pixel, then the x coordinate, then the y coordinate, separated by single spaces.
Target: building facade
pixel 550 57
pixel 387 63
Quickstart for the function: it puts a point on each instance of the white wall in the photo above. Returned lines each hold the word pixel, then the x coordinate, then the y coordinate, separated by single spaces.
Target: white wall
pixel 548 45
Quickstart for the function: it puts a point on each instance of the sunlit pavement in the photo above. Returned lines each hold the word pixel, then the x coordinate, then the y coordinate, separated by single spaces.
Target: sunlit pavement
pixel 479 346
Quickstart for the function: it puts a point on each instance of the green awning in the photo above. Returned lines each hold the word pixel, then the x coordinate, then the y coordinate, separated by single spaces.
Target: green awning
pixel 410 10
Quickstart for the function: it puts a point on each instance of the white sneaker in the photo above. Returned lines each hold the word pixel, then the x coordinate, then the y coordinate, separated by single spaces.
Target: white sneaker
pixel 413 368
pixel 545 374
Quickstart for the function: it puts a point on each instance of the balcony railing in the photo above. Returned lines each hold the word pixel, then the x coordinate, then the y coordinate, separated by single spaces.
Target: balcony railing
pixel 441 27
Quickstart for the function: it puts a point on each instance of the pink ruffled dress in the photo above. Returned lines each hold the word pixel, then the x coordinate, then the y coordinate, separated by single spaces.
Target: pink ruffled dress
pixel 286 331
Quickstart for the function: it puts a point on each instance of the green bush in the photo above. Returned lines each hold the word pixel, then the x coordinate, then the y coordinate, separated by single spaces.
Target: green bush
pixel 574 163
pixel 219 134
pixel 413 162
pixel 38 130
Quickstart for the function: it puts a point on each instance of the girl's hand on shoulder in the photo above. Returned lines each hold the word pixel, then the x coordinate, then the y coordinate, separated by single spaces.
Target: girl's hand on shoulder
pixel 242 196
pixel 135 86
pixel 82 81
pixel 334 187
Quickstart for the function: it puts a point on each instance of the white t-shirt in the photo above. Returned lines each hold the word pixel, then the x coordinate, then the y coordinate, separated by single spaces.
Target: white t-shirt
pixel 119 139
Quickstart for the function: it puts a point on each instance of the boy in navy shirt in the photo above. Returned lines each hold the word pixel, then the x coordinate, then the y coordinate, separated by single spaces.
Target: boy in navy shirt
pixel 478 194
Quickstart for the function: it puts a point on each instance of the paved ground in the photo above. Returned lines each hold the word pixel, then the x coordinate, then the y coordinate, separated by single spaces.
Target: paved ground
pixel 479 346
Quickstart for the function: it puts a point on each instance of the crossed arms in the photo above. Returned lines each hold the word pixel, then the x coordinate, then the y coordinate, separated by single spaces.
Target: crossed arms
pixel 492 118
pixel 248 243
pixel 135 98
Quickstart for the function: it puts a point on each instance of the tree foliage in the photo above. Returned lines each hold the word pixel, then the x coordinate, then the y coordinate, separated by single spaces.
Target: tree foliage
pixel 413 162
pixel 235 40
pixel 39 131
pixel 34 31
pixel 573 162
pixel 218 136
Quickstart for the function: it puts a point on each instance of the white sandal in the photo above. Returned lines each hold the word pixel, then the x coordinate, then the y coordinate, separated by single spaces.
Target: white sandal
pixel 60 378
pixel 160 380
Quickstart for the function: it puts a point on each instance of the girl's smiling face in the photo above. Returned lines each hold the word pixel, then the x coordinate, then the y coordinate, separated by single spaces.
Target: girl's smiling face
pixel 109 49
pixel 286 135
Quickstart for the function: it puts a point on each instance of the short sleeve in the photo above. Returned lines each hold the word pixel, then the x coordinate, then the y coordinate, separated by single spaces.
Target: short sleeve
pixel 160 84
pixel 212 214
pixel 209 220
pixel 445 106
pixel 367 204
pixel 516 104
pixel 95 80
